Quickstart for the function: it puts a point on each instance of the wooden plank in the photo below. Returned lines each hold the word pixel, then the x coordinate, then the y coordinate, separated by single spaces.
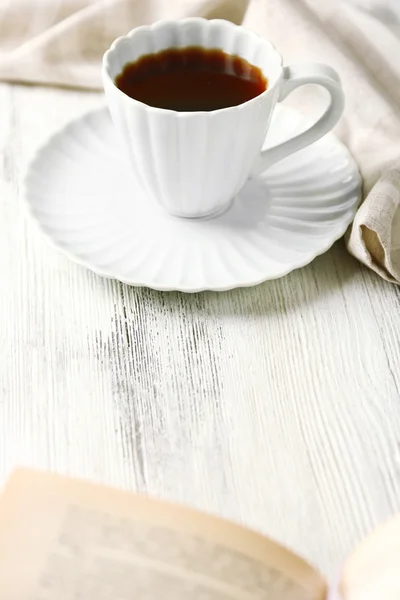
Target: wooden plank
pixel 277 406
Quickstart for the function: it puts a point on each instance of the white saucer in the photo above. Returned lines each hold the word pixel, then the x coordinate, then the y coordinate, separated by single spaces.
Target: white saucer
pixel 79 190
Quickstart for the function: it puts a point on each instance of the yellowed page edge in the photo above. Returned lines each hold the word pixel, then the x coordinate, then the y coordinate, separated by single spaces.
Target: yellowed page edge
pixel 34 505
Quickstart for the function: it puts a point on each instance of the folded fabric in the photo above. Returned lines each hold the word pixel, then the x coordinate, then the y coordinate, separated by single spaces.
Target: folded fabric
pixel 60 42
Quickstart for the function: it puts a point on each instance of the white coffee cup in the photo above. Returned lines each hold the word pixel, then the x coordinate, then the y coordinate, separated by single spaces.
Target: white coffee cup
pixel 194 163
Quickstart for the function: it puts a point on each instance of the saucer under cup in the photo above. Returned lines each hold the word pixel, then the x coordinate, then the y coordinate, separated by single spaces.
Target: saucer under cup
pixel 80 191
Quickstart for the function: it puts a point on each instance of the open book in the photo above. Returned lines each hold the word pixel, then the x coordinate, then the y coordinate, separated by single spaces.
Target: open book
pixel 62 539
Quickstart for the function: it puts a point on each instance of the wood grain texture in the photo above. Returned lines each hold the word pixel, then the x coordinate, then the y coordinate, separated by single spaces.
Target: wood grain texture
pixel 277 406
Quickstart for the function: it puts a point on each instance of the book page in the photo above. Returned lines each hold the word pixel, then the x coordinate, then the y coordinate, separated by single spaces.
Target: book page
pixel 372 571
pixel 62 539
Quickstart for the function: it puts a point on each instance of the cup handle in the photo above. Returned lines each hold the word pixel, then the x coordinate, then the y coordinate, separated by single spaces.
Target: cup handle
pixel 294 77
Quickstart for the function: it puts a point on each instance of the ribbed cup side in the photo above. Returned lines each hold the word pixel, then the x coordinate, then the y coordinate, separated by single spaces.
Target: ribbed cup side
pixel 191 163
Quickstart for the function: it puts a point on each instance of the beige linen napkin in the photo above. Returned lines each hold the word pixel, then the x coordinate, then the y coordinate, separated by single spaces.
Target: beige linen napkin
pixel 60 42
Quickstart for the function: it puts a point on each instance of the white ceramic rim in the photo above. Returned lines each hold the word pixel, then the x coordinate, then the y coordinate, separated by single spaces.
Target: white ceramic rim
pixel 185 114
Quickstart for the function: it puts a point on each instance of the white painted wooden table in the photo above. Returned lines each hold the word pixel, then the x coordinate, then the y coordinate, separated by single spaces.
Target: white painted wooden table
pixel 278 406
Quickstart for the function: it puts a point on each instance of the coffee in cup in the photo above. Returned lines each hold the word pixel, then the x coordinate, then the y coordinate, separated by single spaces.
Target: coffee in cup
pixel 191 79
pixel 192 100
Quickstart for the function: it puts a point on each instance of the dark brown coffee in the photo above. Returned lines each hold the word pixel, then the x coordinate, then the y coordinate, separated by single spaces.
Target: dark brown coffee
pixel 191 79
